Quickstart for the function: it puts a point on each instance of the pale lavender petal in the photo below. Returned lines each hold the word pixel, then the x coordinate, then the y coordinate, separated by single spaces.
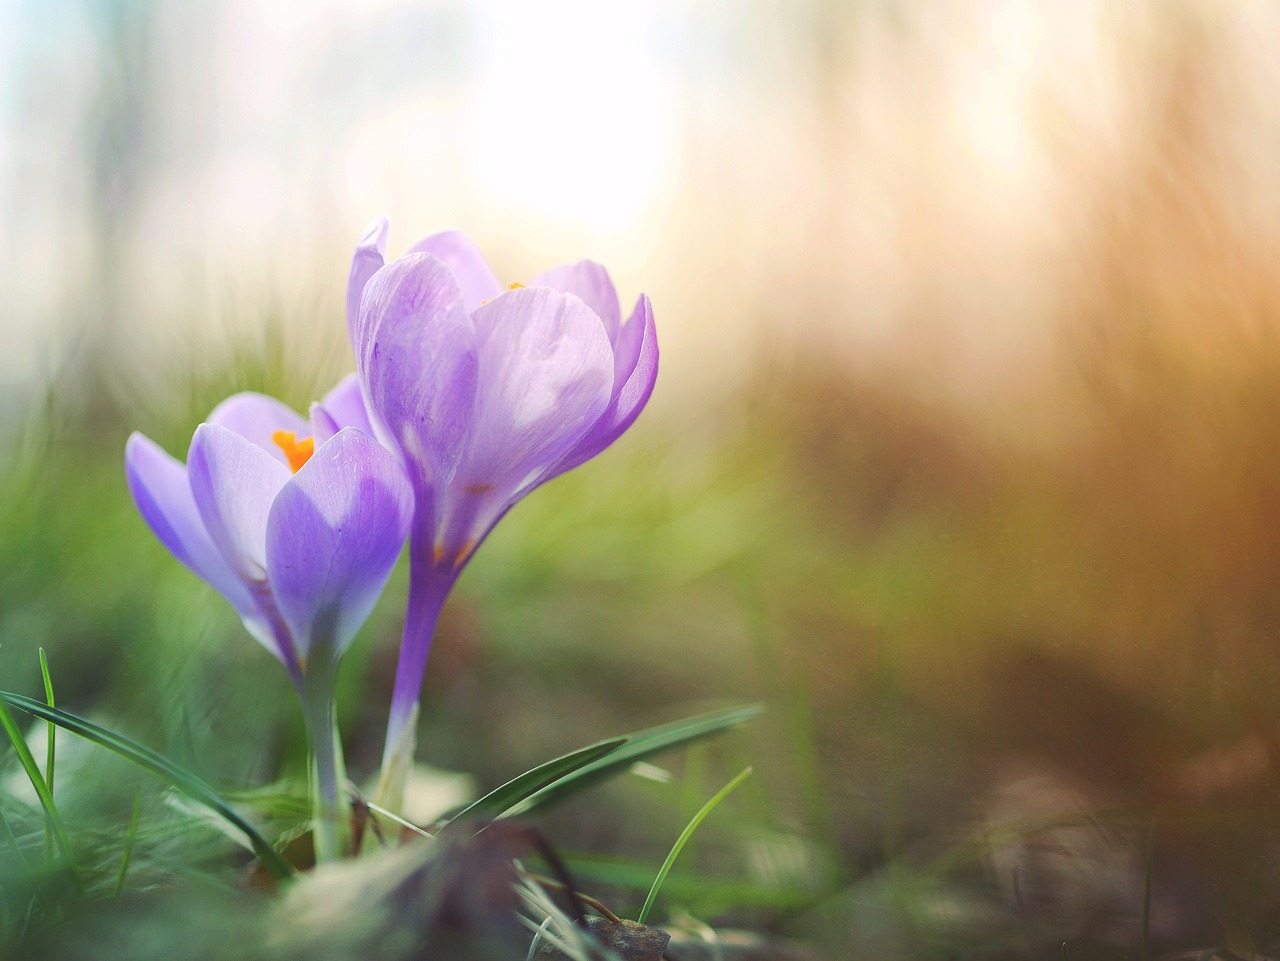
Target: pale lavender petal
pixel 590 281
pixel 370 255
pixel 333 536
pixel 323 424
pixel 234 482
pixel 416 359
pixel 635 372
pixel 257 417
pixel 341 407
pixel 160 488
pixel 546 372
pixel 475 277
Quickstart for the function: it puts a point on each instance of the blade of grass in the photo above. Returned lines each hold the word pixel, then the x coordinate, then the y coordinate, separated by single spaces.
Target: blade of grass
pixel 639 746
pixel 52 820
pixel 683 839
pixel 701 893
pixel 143 756
pixel 52 747
pixel 408 825
pixel 11 839
pixel 502 799
pixel 128 842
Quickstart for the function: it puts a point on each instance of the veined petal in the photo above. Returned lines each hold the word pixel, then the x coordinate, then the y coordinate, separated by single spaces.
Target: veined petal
pixel 635 372
pixel 333 536
pixel 370 255
pixel 234 482
pixel 257 417
pixel 341 407
pixel 160 488
pixel 416 359
pixel 475 277
pixel 546 374
pixel 590 281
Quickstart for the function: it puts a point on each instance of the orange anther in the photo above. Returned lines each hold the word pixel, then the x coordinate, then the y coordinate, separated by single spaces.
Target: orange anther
pixel 297 452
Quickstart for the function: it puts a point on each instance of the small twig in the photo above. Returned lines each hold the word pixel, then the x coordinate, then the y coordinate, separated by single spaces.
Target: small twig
pixel 560 886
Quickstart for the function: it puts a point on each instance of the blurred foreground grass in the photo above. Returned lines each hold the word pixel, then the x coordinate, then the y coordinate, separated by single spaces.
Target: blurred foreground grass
pixel 991 665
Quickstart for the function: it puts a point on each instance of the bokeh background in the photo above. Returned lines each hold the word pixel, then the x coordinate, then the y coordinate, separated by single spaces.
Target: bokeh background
pixel 964 457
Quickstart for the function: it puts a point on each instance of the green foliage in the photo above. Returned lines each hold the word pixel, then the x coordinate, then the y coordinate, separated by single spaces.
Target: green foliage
pixel 639 746
pixel 143 756
pixel 40 784
pixel 501 800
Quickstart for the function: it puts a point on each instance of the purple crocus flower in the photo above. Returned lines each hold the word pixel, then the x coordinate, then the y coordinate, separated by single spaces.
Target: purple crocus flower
pixel 300 537
pixel 486 392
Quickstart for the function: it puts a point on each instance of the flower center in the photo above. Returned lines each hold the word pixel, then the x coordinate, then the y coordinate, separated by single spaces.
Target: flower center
pixel 297 452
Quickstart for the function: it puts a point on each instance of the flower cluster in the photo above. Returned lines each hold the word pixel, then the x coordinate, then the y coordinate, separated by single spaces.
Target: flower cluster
pixel 466 397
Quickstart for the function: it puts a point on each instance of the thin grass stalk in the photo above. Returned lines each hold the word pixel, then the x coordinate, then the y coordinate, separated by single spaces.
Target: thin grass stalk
pixel 683 839
pixel 51 751
pixel 53 822
pixel 128 843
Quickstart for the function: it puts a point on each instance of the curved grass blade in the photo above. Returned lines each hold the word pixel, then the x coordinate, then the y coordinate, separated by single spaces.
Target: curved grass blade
pixel 51 751
pixel 159 765
pixel 53 821
pixel 502 799
pixel 639 746
pixel 683 839
pixel 128 842
pixel 11 839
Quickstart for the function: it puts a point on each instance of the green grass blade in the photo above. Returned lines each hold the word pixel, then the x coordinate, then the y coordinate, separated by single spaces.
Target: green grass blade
pixel 11 839
pixel 53 728
pixel 702 894
pixel 502 799
pixel 143 756
pixel 128 842
pixel 53 820
pixel 639 746
pixel 52 747
pixel 683 839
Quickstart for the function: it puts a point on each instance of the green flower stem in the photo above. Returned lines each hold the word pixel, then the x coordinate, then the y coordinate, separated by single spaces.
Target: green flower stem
pixel 332 825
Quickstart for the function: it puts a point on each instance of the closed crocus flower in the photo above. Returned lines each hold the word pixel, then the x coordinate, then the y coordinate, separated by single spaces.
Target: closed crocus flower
pixel 299 536
pixel 486 392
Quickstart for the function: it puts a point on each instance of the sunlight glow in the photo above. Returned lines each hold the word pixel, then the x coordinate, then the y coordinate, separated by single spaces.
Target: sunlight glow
pixel 572 115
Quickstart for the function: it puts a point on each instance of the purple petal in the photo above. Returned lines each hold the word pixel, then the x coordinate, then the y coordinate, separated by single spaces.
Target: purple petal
pixel 234 482
pixel 160 488
pixel 370 255
pixel 333 536
pixel 417 364
pixel 635 372
pixel 590 281
pixel 455 250
pixel 342 407
pixel 323 424
pixel 257 417
pixel 546 371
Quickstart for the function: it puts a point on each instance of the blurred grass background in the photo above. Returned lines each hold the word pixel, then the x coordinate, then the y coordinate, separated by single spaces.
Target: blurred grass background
pixel 964 456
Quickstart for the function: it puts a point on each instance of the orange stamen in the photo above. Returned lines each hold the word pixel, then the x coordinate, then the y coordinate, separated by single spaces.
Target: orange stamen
pixel 297 452
pixel 515 286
